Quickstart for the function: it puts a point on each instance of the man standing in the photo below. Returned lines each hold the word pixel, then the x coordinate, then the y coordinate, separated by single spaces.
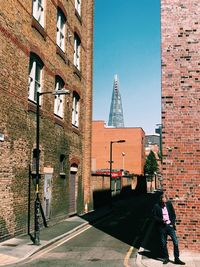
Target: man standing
pixel 165 217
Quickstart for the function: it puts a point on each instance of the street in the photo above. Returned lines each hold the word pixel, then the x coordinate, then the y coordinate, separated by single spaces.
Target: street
pixel 107 243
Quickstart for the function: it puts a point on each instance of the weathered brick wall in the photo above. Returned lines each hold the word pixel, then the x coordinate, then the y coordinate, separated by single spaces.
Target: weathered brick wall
pixel 180 27
pixel 87 136
pixel 17 122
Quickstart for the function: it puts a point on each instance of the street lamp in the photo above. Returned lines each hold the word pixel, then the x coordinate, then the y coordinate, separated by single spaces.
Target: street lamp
pixel 123 155
pixel 36 238
pixel 112 142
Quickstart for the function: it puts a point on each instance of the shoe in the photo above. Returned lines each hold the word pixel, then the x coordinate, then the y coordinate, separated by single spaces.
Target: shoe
pixel 178 261
pixel 165 261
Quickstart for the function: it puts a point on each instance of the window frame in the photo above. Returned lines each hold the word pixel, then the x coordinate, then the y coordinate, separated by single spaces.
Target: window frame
pixel 38 14
pixel 75 110
pixel 59 99
pixel 77 51
pixel 60 31
pixel 78 6
pixel 34 85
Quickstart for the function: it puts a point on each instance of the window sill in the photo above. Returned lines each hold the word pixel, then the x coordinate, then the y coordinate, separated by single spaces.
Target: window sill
pixel 78 16
pixel 35 24
pixel 58 120
pixel 61 53
pixel 32 106
pixel 77 72
pixel 63 175
pixel 75 129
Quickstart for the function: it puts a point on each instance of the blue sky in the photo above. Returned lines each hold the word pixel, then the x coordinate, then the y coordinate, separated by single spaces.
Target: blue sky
pixel 127 43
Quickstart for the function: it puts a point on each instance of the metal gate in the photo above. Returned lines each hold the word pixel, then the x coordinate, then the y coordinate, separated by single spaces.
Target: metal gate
pixel 47 194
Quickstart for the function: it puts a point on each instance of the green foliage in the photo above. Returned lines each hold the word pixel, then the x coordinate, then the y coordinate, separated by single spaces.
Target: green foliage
pixel 151 165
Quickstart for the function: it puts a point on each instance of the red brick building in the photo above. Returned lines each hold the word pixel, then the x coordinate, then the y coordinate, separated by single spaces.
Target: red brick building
pixel 45 46
pixel 180 28
pixel 129 155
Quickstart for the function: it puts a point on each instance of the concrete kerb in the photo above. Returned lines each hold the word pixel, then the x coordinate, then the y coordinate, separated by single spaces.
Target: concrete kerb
pixel 191 258
pixel 56 239
pixel 44 244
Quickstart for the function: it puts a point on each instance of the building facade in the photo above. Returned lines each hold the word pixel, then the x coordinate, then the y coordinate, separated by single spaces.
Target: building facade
pixel 129 156
pixel 45 46
pixel 180 30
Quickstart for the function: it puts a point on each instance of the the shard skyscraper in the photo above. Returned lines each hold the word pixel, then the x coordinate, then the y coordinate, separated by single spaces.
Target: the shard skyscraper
pixel 116 118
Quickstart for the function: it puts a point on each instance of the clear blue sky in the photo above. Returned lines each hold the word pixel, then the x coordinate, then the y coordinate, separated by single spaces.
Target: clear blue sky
pixel 127 43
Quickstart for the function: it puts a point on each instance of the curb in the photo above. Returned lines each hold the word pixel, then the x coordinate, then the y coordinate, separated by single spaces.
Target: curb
pixel 56 239
pixel 46 244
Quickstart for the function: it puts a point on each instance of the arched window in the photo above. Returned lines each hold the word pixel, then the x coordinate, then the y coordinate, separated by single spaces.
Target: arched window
pixel 59 99
pixel 38 11
pixel 61 25
pixel 78 6
pixel 75 110
pixel 77 51
pixel 35 77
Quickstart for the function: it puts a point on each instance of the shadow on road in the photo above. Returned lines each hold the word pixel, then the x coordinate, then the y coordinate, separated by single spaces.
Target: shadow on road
pixel 131 222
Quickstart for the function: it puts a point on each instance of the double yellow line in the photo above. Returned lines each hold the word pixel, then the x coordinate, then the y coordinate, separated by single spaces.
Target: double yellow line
pixel 128 255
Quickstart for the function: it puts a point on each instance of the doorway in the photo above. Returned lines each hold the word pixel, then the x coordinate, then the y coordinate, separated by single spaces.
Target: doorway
pixel 47 194
pixel 73 189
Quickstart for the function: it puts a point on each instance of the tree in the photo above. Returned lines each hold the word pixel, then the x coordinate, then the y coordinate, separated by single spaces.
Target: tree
pixel 151 165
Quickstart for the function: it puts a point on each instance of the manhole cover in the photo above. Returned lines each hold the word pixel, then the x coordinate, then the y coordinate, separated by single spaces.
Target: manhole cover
pixel 10 245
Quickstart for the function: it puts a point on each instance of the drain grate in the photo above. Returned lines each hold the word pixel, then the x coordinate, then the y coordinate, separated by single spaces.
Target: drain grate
pixel 10 245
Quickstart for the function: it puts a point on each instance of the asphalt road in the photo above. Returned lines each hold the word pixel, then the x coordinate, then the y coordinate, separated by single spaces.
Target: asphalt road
pixel 107 243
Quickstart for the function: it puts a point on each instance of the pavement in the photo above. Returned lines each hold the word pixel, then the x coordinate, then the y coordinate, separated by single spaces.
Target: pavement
pixel 20 248
pixel 191 259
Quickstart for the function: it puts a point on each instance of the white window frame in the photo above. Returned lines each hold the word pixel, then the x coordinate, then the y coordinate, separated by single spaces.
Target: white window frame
pixel 75 110
pixel 78 6
pixel 38 11
pixel 77 51
pixel 60 30
pixel 34 84
pixel 59 99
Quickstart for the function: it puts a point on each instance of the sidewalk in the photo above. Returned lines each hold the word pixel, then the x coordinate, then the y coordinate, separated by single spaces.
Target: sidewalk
pixel 192 259
pixel 20 248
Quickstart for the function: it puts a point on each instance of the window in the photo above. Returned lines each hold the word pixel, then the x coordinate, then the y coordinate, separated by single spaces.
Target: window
pixel 75 110
pixel 35 77
pixel 78 6
pixel 60 37
pixel 77 47
pixel 38 11
pixel 58 103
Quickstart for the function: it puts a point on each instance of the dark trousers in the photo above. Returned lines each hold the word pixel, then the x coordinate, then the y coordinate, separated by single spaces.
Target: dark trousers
pixel 164 232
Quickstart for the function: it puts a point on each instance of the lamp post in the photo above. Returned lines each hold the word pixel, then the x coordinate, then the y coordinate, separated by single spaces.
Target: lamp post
pixel 36 238
pixel 111 143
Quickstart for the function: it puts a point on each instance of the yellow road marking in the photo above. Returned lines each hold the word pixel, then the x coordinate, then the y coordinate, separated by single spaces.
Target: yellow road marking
pixel 127 257
pixel 60 242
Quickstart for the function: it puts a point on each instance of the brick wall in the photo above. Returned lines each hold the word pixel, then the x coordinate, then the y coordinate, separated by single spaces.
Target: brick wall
pixel 134 157
pixel 180 28
pixel 19 36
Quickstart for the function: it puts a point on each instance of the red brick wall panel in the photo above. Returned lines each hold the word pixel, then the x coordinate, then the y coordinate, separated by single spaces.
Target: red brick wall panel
pixel 180 29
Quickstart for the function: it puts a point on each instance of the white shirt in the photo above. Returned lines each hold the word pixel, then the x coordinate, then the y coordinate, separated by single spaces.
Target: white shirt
pixel 165 215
